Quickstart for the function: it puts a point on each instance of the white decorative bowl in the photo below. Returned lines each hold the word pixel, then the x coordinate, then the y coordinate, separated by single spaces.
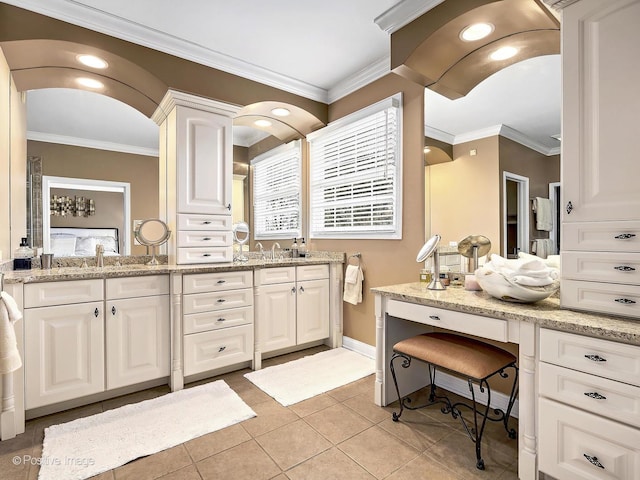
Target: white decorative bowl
pixel 499 286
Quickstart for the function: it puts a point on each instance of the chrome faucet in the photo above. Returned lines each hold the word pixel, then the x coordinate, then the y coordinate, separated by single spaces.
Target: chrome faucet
pixel 99 255
pixel 273 250
pixel 262 255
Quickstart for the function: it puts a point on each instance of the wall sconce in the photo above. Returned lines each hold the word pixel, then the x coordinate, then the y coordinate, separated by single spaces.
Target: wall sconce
pixel 66 206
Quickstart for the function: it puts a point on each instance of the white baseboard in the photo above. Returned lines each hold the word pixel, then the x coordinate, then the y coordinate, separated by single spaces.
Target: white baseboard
pixel 444 380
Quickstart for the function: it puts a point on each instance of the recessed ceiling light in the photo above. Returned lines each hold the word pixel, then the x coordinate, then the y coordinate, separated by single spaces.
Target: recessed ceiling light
pixel 89 82
pixel 476 31
pixel 92 61
pixel 503 53
pixel 557 136
pixel 262 123
pixel 427 149
pixel 281 112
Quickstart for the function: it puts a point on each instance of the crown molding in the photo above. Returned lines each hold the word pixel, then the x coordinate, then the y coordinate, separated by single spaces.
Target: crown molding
pixel 175 97
pixel 440 135
pixel 491 131
pixel 87 17
pixel 522 139
pixel 369 74
pixel 90 143
pixel 403 13
pixel 559 4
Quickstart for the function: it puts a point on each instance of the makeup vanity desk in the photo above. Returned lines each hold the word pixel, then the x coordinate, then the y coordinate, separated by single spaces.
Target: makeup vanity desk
pixel 409 309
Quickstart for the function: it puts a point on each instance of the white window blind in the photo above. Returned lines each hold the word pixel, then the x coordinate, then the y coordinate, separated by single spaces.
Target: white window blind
pixel 277 187
pixel 355 175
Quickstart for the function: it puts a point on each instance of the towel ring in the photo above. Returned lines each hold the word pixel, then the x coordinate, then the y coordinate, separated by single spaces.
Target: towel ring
pixel 357 256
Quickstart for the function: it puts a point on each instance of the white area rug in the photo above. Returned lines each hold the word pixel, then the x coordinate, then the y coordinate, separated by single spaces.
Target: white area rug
pixel 88 446
pixel 307 377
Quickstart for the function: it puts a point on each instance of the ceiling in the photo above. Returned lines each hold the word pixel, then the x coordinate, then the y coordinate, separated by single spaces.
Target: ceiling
pixel 321 50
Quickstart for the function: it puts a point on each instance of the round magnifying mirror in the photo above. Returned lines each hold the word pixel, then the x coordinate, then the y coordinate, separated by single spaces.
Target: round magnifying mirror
pixel 241 236
pixel 428 248
pixel 151 233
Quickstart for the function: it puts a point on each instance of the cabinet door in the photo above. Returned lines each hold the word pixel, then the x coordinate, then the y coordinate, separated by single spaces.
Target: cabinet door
pixel 276 316
pixel 312 311
pixel 204 160
pixel 601 69
pixel 64 353
pixel 138 347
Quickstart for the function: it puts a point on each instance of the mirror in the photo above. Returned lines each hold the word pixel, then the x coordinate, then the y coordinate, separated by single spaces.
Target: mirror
pixel 152 233
pixel 241 237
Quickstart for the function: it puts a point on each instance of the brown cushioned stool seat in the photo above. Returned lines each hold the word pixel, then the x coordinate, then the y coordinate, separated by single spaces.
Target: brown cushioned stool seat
pixel 477 361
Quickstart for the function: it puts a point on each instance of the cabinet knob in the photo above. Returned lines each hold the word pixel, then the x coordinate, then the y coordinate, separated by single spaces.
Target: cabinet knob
pixel 229 207
pixel 293 289
pixel 434 317
pixel 96 312
pixel 595 395
pixel 113 310
pixel 301 289
pixel 625 268
pixel 593 460
pixel 569 207
pixel 221 349
pixel 595 358
pixel 625 301
pixel 625 236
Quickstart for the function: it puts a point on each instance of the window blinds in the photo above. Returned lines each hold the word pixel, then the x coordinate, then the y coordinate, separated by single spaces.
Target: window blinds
pixel 277 193
pixel 355 179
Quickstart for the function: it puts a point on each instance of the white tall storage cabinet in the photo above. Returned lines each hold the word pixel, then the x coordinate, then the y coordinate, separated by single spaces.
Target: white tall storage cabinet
pixel 600 169
pixel 196 171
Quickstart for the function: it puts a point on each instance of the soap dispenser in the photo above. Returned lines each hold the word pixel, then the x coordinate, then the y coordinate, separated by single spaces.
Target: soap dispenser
pixel 294 248
pixel 302 250
pixel 22 256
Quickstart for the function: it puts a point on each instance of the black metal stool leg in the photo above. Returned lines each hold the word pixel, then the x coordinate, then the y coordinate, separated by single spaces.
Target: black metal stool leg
pixel 405 364
pixel 512 398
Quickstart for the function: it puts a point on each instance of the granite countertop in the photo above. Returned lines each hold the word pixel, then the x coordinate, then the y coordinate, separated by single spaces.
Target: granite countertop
pixel 137 269
pixel 546 313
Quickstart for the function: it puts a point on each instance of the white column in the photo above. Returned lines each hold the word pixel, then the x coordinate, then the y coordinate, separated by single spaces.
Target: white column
pixel 177 372
pixel 527 403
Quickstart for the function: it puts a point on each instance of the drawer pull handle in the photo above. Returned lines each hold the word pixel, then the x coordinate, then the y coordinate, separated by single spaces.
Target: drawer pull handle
pixel 595 395
pixel 206 222
pixel 569 207
pixel 113 310
pixel 434 317
pixel 593 461
pixel 229 207
pixel 206 254
pixel 221 349
pixel 301 289
pixel 625 268
pixel 625 301
pixel 223 319
pixel 595 358
pixel 96 312
pixel 221 300
pixel 206 239
pixel 220 282
pixel 625 236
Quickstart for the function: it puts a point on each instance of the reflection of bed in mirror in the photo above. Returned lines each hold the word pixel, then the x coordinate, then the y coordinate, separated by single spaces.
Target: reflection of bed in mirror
pixel 81 242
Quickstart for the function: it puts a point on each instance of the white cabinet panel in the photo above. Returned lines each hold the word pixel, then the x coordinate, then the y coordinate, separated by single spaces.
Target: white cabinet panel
pixel 194 238
pixel 62 293
pixel 269 276
pixel 64 352
pixel 137 338
pixel 601 236
pixel 276 316
pixel 217 348
pixel 312 311
pixel 205 255
pixel 602 267
pixel 202 322
pixel 204 222
pixel 143 286
pixel 205 302
pixel 217 281
pixel 312 272
pixel 614 299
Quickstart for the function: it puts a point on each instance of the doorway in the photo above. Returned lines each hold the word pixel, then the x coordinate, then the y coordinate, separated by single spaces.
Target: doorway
pixel 515 214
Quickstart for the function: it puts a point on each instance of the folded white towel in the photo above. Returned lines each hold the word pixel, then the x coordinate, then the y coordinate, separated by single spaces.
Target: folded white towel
pixel 9 314
pixel 353 279
pixel 526 270
pixel 544 216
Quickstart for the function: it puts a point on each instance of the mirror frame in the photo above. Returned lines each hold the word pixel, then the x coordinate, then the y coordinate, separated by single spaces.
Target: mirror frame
pixel 49 182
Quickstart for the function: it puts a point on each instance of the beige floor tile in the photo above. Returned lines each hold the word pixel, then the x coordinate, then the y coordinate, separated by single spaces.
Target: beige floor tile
pixel 135 397
pixel 292 444
pixel 154 466
pixel 423 467
pixel 363 404
pixel 215 442
pixel 313 405
pixel 351 390
pixel 250 394
pixel 337 423
pixel 269 416
pixel 331 464
pixel 186 473
pixel 378 452
pixel 419 431
pixel 247 461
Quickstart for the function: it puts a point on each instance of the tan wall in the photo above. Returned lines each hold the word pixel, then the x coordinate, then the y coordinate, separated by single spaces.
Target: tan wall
pixel 77 162
pixel 538 168
pixel 464 194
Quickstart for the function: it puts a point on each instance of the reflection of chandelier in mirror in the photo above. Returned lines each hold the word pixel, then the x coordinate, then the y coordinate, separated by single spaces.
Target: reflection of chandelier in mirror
pixel 62 206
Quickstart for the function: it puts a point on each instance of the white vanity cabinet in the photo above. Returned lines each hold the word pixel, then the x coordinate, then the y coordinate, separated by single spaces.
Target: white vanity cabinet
pixel 217 320
pixel 64 341
pixel 601 198
pixel 589 407
pixel 292 306
pixel 137 329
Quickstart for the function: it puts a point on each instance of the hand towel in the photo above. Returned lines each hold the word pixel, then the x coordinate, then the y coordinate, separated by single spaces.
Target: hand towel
pixel 353 279
pixel 544 218
pixel 9 314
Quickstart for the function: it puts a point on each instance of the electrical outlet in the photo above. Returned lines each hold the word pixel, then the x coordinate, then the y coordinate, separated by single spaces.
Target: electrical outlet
pixel 135 227
pixel 473 152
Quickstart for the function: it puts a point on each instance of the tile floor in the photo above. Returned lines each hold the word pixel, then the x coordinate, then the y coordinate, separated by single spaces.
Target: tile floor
pixel 341 434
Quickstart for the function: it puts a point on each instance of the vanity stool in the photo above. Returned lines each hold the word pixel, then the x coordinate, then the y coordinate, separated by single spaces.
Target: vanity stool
pixel 475 360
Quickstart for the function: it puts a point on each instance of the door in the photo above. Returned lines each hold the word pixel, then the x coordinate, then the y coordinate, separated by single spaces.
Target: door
pixel 276 316
pixel 138 345
pixel 312 311
pixel 515 215
pixel 64 353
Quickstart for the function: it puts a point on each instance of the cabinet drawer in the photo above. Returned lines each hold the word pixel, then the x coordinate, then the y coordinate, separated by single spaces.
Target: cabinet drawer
pixel 602 267
pixel 312 272
pixel 601 396
pixel 609 298
pixel 578 445
pixel 204 222
pixel 195 238
pixel 269 276
pixel 217 348
pixel 145 286
pixel 601 236
pixel 62 293
pixel 207 302
pixel 214 282
pixel 486 327
pixel 202 322
pixel 613 360
pixel 188 255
